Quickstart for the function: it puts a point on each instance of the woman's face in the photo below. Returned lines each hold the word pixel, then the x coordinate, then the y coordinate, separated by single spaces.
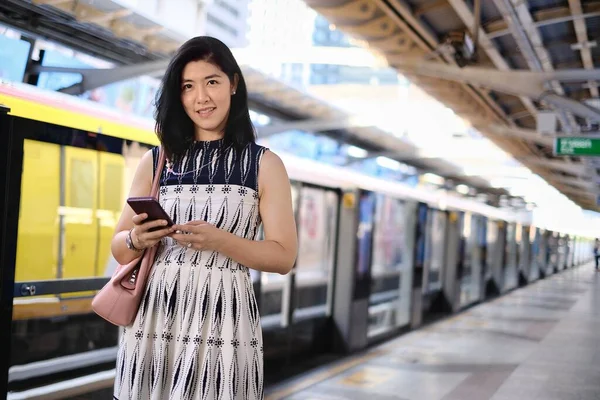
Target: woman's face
pixel 206 96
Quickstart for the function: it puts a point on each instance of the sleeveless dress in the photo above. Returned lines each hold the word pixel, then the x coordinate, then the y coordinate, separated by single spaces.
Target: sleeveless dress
pixel 197 334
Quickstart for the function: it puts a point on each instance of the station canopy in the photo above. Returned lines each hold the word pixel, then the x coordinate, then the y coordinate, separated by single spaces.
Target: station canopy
pixel 520 72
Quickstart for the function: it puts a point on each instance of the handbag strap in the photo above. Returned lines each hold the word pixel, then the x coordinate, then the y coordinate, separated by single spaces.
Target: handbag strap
pixel 158 173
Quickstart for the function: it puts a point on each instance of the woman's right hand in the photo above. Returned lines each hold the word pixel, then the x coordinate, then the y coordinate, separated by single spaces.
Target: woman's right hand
pixel 141 235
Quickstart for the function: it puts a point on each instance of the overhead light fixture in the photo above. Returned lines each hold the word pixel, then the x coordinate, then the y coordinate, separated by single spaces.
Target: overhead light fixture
pixel 356 152
pixel 388 163
pixel 433 178
pixel 462 189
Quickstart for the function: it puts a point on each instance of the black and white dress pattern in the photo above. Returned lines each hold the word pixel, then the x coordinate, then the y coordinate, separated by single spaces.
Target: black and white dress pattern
pixel 197 334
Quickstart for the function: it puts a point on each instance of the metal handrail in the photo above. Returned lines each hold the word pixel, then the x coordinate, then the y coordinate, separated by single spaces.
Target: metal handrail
pixel 58 286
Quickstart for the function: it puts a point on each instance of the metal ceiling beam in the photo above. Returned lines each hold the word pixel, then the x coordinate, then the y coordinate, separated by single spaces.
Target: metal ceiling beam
pixel 530 44
pixel 573 169
pixel 540 22
pixel 464 13
pixel 517 83
pixel 525 134
pixel 428 42
pixel 582 38
pixel 93 78
pixel 579 182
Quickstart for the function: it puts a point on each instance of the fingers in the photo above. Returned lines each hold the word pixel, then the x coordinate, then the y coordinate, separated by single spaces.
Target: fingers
pixel 198 222
pixel 153 224
pixel 158 234
pixel 191 227
pixel 139 218
pixel 181 237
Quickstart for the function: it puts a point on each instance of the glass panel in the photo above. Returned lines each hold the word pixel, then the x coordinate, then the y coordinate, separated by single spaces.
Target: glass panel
pixel 364 243
pixel 510 266
pixel 38 214
pixel 471 277
pixel 386 269
pixel 112 198
pixel 333 201
pixel 58 238
pixel 80 227
pixel 492 249
pixel 482 244
pixel 315 253
pixel 437 221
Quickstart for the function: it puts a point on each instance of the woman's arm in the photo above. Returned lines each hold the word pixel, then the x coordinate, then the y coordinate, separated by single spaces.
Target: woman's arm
pixel 277 252
pixel 141 186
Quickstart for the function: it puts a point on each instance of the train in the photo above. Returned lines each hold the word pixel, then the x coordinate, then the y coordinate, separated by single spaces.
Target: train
pixel 376 258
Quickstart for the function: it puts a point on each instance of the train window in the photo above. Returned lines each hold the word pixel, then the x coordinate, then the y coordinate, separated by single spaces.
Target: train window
pixel 471 260
pixel 437 222
pixel 388 238
pixel 388 261
pixel 111 196
pixel 510 254
pixel 38 213
pixel 81 182
pixel 80 225
pixel 317 220
pixel 112 188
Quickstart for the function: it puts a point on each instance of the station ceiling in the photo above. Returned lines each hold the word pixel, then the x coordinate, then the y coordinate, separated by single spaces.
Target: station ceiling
pixel 535 35
pixel 423 40
pixel 105 29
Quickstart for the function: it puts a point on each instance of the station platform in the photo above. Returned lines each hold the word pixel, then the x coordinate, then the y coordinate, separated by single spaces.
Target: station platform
pixel 537 342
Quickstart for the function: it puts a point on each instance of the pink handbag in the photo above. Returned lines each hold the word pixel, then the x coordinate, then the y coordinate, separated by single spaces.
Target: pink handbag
pixel 118 301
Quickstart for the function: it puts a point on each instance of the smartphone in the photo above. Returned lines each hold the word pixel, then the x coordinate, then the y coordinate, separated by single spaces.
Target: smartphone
pixel 150 206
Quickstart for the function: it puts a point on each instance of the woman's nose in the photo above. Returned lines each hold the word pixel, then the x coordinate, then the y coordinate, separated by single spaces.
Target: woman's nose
pixel 201 96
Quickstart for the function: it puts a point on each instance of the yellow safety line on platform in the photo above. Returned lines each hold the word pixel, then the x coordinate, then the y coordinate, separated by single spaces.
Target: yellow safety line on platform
pixel 320 377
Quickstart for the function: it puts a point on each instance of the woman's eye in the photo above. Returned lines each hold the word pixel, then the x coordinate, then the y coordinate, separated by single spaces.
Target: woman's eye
pixel 212 82
pixel 187 86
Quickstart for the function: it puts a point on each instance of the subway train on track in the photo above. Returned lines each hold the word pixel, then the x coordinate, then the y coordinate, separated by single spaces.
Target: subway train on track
pixel 375 257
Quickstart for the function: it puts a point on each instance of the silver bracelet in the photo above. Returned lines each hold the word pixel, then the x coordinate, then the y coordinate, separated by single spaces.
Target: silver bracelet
pixel 129 242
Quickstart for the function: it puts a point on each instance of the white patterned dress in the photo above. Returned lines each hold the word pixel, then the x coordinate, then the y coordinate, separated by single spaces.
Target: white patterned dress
pixel 197 334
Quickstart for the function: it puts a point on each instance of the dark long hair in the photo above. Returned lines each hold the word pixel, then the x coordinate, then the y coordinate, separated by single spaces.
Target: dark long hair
pixel 174 128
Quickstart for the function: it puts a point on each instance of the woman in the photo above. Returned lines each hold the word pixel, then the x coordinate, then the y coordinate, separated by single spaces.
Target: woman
pixel 197 334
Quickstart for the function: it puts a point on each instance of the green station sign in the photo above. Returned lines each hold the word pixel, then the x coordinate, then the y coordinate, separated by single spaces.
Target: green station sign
pixel 577 146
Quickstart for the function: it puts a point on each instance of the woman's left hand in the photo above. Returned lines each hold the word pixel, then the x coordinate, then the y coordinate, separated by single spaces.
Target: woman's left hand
pixel 197 235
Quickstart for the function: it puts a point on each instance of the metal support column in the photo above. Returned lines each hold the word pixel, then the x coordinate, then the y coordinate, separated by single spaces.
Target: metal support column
pixel 11 164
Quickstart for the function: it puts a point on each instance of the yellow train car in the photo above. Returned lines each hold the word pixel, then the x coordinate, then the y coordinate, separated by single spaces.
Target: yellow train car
pixel 79 159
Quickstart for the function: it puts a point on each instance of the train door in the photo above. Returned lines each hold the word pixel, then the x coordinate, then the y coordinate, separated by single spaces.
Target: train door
pixel 111 197
pixel 420 259
pixel 470 281
pixel 568 251
pixel 494 258
pixel 434 266
pixel 453 267
pixel 78 214
pixel 523 254
pixel 317 236
pixel 435 248
pixel 549 253
pixel 535 239
pixel 482 248
pixel 389 297
pixel 510 278
pixel 561 251
pixel 67 214
pixel 575 249
pixel 553 245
